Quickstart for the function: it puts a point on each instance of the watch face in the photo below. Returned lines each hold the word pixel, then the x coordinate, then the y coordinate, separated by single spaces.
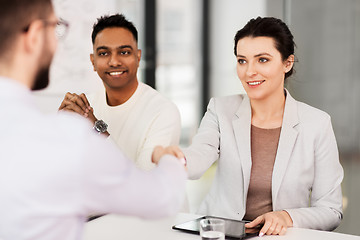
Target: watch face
pixel 100 126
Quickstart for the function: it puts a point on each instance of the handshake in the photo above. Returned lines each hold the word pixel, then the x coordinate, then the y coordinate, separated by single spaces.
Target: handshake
pixel 160 151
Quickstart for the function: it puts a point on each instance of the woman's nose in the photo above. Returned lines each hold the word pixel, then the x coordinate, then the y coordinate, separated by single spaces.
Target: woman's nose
pixel 251 70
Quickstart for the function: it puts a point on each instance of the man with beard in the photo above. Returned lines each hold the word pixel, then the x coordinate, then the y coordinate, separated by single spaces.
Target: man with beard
pixel 136 116
pixel 49 183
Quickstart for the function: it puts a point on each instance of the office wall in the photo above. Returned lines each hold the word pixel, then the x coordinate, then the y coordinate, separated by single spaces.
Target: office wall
pixel 227 17
pixel 178 66
pixel 327 33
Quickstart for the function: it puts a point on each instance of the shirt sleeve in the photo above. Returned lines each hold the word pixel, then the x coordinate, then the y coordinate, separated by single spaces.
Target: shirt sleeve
pixel 204 150
pixel 111 183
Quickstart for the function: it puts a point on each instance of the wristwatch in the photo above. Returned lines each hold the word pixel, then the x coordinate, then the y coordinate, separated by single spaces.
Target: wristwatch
pixel 100 126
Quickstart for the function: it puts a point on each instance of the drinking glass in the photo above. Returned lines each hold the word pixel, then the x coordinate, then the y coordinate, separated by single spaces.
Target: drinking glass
pixel 212 229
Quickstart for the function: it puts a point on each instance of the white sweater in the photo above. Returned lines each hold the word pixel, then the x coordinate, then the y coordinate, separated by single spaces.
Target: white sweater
pixel 145 120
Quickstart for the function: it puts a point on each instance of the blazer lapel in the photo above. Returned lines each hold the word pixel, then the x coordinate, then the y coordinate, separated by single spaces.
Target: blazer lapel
pixel 286 144
pixel 241 126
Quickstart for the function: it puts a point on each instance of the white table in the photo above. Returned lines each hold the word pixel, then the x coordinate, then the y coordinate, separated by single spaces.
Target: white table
pixel 115 227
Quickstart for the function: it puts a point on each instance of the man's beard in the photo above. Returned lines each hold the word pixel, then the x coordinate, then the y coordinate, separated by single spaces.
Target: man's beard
pixel 41 78
pixel 42 75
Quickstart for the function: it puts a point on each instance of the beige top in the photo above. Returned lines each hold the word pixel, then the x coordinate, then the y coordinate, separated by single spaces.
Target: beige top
pixel 264 143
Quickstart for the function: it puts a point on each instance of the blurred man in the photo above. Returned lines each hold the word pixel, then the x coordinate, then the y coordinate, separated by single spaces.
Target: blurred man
pixel 54 171
pixel 136 116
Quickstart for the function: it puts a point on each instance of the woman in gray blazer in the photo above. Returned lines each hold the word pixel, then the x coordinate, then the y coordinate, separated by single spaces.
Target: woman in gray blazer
pixel 278 161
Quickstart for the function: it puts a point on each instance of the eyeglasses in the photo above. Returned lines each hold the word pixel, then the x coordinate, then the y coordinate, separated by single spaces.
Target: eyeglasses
pixel 61 27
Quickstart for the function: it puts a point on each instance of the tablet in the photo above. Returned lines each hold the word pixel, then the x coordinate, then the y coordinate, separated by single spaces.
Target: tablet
pixel 234 229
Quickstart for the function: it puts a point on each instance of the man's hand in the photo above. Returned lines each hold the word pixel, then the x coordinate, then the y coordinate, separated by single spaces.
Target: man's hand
pixel 275 223
pixel 78 104
pixel 160 151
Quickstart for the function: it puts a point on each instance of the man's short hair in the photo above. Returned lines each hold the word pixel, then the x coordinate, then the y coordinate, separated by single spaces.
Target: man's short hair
pixel 116 20
pixel 16 15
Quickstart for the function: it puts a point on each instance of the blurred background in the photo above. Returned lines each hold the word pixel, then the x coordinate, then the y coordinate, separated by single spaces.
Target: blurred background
pixel 188 56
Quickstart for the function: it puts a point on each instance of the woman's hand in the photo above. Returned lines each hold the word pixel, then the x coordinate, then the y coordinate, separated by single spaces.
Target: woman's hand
pixel 275 223
pixel 160 151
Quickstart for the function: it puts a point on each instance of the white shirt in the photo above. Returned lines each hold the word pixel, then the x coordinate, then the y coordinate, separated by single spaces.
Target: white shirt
pixel 54 172
pixel 145 120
